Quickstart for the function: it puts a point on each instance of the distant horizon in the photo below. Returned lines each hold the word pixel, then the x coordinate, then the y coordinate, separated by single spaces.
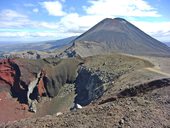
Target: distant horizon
pixel 32 41
pixel 41 41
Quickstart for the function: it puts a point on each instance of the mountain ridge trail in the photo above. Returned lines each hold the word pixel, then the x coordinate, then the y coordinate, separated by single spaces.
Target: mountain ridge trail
pixel 160 64
pixel 158 71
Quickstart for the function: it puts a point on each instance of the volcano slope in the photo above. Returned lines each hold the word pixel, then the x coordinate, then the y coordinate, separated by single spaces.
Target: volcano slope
pixel 131 96
pixel 115 35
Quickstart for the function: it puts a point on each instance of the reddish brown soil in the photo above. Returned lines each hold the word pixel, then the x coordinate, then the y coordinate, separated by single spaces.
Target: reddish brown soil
pixel 6 72
pixel 11 109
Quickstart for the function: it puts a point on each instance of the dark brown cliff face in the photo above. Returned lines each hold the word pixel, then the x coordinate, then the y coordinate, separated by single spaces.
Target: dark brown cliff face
pixel 61 72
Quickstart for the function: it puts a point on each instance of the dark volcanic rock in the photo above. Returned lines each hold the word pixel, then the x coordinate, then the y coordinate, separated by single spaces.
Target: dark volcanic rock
pixel 91 84
pixel 116 35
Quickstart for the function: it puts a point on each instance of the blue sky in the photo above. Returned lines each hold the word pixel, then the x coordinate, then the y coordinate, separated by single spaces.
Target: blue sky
pixel 38 20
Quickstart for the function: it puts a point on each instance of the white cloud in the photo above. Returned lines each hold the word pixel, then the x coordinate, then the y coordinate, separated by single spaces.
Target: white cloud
pixel 112 8
pixel 36 10
pixel 12 19
pixel 27 34
pixel 54 8
pixel 158 30
pixel 33 36
pixel 152 27
pixel 74 23
pixel 46 25
pixel 8 14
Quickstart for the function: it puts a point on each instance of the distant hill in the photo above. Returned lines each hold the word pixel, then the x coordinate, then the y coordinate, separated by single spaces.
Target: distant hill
pixel 60 43
pixel 116 35
pixel 42 46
